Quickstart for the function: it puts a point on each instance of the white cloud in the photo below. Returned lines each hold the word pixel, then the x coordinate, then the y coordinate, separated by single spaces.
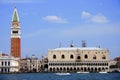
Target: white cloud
pixel 85 14
pixel 54 19
pixel 98 18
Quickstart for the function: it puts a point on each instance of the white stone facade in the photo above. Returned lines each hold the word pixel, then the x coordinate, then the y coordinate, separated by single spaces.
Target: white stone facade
pixel 8 64
pixel 78 59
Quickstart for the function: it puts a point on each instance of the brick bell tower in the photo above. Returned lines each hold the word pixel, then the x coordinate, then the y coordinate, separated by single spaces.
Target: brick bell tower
pixel 15 35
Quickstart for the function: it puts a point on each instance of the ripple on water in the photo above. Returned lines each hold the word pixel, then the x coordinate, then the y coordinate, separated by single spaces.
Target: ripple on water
pixel 53 76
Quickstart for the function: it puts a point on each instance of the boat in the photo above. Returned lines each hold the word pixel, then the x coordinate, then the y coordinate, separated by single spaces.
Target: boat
pixel 83 72
pixel 102 72
pixel 62 73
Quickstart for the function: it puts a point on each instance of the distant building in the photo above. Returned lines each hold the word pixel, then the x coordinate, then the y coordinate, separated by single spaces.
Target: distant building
pixel 15 35
pixel 25 65
pixel 30 64
pixel 8 64
pixel 113 66
pixel 74 59
pixel 44 63
pixel 117 59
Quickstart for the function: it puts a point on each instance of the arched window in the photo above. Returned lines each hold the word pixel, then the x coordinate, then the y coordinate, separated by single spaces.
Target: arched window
pixel 63 56
pixel 78 57
pixel 54 69
pixel 103 57
pixel 94 57
pixel 86 56
pixel 71 56
pixel 2 63
pixel 50 69
pixel 54 56
pixel 8 63
pixel 60 68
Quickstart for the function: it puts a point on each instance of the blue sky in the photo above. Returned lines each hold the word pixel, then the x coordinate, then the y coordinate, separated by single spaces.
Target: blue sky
pixel 47 23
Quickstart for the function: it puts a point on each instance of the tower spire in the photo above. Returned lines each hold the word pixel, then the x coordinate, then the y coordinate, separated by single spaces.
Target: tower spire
pixel 15 35
pixel 14 5
pixel 72 45
pixel 83 43
pixel 15 17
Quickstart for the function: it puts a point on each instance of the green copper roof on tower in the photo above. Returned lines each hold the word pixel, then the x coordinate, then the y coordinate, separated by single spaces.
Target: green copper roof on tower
pixel 15 17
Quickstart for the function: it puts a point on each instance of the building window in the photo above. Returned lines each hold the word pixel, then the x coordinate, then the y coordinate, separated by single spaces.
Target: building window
pixel 102 52
pixel 2 63
pixel 94 57
pixel 8 63
pixel 78 57
pixel 1 69
pixel 5 69
pixel 15 32
pixel 54 56
pixel 86 56
pixel 5 63
pixel 63 56
pixel 103 57
pixel 71 56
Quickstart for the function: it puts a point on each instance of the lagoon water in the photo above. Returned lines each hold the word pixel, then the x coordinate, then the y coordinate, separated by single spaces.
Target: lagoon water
pixel 53 76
